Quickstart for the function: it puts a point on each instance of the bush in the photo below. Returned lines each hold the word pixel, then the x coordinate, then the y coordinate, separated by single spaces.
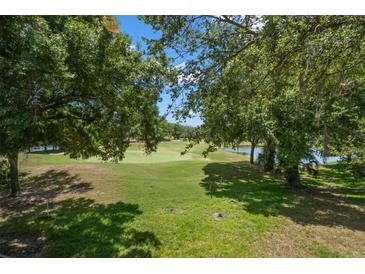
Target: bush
pixel 355 164
pixel 358 169
pixel 261 159
pixel 310 163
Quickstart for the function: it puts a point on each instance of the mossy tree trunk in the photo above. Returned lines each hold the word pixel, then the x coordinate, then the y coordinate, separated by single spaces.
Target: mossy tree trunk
pixel 269 155
pixel 252 153
pixel 14 178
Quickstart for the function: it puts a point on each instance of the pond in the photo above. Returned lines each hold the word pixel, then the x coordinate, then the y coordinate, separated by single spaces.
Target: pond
pixel 258 150
pixel 43 148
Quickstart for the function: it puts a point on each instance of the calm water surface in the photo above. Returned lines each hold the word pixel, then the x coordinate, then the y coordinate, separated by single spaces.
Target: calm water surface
pixel 258 150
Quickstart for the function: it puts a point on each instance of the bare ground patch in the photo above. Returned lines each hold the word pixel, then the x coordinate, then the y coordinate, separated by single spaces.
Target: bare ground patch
pixel 50 183
pixel 291 239
pixel 313 221
pixel 233 157
pixel 41 188
pixel 23 245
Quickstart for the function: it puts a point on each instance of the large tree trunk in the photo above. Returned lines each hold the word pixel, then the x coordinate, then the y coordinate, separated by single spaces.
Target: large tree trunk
pixel 269 155
pixel 349 158
pixel 252 153
pixel 14 180
pixel 293 177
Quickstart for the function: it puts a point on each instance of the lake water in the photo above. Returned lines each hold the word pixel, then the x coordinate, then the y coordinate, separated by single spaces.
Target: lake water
pixel 258 150
pixel 43 148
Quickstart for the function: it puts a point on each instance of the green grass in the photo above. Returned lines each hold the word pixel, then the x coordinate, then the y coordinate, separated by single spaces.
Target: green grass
pixel 162 205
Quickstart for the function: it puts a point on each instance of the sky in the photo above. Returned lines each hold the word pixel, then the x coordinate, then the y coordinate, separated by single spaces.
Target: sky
pixel 136 29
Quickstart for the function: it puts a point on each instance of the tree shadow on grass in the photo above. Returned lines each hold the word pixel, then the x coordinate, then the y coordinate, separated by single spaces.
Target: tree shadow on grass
pixel 339 182
pixel 267 195
pixel 37 190
pixel 344 179
pixel 43 152
pixel 78 228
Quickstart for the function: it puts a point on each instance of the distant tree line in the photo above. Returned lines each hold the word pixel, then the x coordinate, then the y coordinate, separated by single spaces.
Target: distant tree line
pixel 175 131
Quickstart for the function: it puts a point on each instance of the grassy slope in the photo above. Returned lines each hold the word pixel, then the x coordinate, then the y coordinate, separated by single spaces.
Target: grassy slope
pixel 163 207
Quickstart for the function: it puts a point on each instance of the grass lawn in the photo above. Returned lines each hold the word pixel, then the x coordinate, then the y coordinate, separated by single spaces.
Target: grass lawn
pixel 164 205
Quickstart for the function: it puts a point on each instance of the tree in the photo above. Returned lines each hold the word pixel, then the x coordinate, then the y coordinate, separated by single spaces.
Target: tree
pixel 231 115
pixel 290 66
pixel 68 79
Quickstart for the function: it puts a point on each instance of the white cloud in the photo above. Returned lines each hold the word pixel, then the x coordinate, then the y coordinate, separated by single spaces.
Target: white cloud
pixel 180 66
pixel 182 79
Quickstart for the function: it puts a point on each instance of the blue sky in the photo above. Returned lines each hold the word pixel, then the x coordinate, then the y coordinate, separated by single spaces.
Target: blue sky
pixel 137 29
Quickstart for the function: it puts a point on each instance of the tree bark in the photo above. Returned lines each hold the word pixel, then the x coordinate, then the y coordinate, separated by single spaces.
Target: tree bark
pixel 293 177
pixel 349 157
pixel 252 154
pixel 269 156
pixel 14 179
pixel 325 141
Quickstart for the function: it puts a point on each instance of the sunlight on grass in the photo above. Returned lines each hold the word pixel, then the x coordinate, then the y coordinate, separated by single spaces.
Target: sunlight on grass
pixel 165 206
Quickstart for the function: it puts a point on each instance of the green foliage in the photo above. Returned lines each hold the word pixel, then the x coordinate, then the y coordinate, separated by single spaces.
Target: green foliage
pixel 354 163
pixel 291 82
pixel 175 131
pixel 68 80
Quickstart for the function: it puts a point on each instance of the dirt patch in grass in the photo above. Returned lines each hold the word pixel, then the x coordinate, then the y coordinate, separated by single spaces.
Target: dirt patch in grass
pixel 318 221
pixel 23 245
pixel 85 170
pixel 295 240
pixel 206 159
pixel 78 227
pixel 50 183
pixel 233 157
pixel 280 243
pixel 42 190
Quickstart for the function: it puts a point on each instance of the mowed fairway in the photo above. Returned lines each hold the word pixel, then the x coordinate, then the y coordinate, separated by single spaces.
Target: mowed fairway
pixel 164 205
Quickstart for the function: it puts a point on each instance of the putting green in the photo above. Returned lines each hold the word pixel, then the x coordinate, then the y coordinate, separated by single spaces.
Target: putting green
pixel 166 152
pixel 137 156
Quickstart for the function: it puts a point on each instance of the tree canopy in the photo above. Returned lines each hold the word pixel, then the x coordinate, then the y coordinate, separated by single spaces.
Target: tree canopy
pixel 292 82
pixel 69 80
